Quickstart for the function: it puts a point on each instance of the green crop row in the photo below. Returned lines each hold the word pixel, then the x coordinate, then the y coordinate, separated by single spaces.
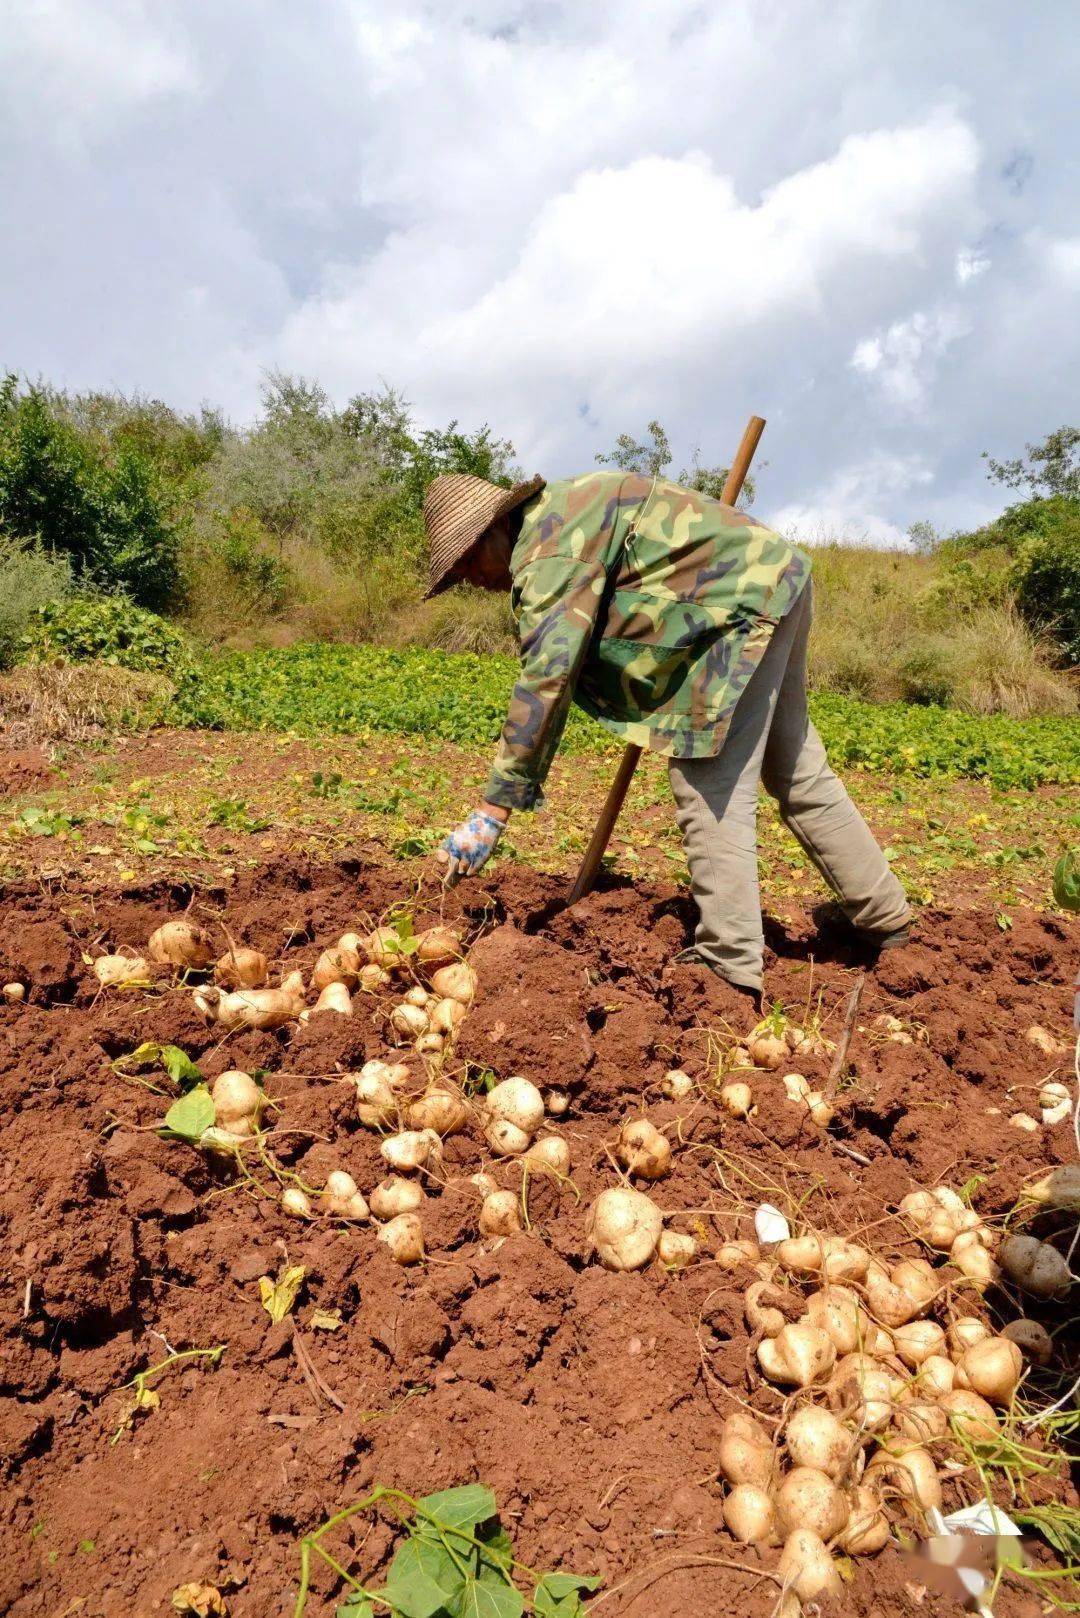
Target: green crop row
pixel 459 697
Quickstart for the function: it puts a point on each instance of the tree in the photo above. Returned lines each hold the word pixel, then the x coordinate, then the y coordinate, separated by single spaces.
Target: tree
pixel 1051 468
pixel 650 459
pixel 630 456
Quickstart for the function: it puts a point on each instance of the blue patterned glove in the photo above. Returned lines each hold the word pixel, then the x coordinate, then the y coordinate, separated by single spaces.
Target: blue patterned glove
pixel 471 845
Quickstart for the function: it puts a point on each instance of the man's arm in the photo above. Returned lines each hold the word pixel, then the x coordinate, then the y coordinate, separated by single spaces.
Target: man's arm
pixel 559 598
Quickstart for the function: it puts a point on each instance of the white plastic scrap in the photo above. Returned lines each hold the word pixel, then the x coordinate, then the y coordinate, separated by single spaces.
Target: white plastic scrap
pixel 770 1226
pixel 983 1518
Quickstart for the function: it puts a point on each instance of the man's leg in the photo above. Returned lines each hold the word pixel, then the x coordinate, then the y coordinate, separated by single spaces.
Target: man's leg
pixel 816 808
pixel 716 808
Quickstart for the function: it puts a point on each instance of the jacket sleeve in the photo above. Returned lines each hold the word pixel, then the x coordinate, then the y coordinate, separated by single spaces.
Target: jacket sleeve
pixel 558 599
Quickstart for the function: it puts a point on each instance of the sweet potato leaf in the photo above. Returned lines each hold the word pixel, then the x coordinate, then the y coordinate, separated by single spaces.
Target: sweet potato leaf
pixel 190 1117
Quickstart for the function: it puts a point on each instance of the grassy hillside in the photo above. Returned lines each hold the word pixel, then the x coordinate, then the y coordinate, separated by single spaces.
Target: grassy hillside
pixel 306 526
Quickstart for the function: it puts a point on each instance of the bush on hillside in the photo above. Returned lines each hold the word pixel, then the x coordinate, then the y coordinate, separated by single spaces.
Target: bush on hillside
pixel 104 629
pixel 104 508
pixel 1047 580
pixel 1031 555
pixel 29 579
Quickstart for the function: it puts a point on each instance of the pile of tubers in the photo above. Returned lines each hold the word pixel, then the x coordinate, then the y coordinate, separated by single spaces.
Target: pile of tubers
pixel 882 1374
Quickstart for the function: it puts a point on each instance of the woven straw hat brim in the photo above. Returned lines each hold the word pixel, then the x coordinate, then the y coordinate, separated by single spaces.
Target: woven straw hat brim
pixel 457 509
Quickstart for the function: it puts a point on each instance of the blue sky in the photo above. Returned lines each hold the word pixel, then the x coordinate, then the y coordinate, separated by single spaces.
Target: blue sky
pixel 859 220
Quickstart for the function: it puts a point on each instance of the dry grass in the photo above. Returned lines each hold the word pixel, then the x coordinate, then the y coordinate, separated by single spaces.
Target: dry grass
pixel 41 703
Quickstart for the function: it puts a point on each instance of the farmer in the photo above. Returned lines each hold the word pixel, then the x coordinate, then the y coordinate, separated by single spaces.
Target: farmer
pixel 681 625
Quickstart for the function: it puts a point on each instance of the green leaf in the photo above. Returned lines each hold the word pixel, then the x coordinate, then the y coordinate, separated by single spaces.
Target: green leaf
pixel 423 1580
pixel 463 1507
pixel 1067 880
pixel 188 1118
pixel 558 1595
pixel 497 1543
pixel 279 1296
pixel 484 1598
pixel 179 1066
pixel 356 1605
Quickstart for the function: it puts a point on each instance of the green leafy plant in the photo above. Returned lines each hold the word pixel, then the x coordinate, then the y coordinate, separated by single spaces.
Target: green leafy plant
pixel 233 813
pixel 457 1561
pixel 189 1118
pixel 104 629
pixel 1067 880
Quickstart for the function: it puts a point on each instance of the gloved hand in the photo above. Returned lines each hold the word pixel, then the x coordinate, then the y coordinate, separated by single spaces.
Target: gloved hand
pixel 470 845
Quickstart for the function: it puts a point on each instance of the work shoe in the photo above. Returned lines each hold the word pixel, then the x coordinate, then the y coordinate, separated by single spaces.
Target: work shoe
pixel 830 918
pixel 692 957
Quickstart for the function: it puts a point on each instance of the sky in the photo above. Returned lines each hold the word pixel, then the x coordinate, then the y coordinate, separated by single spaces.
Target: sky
pixel 859 220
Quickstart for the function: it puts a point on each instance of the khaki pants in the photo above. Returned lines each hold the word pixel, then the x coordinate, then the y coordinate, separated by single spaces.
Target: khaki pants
pixel 772 740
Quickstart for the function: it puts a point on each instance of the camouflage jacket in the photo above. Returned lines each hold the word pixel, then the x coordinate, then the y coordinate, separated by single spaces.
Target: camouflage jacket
pixel 647 604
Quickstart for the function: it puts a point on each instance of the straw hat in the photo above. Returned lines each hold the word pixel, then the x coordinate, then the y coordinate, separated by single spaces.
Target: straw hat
pixel 457 509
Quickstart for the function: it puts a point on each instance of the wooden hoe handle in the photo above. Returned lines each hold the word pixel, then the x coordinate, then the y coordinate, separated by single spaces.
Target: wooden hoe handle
pixel 613 803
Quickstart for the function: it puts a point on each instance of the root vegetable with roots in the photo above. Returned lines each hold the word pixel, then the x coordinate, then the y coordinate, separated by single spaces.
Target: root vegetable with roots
pixel 111 971
pixel 394 1196
pixel 241 968
pixel 238 1103
pixel 404 1236
pixel 253 1008
pixel 643 1150
pixel 181 944
pixel 623 1228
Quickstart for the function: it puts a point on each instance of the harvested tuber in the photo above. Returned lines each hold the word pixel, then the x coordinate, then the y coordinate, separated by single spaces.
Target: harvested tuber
pixel 296 1202
pixel 675 1250
pixel 404 1236
pixel 917 1341
pixel 408 1022
pixel 643 1150
pixel 182 944
pixel 762 1317
pixel 1033 1340
pixel 335 997
pixel 797 1356
pixel 342 1197
pixel 1059 1189
pixel 815 1439
pixel 745 1453
pixel 991 1368
pixel 623 1228
pixel 736 1255
pixel 15 993
pixel 737 1099
pixel 500 1214
pixel 446 1016
pixel 241 968
pixel 972 1415
pixel 768 1052
pixel 412 1150
pixel 676 1084
pixel 238 1101
pixel 911 1472
pixel 549 1155
pixel 1036 1267
pixel 253 1008
pixel 516 1101
pixel 867 1529
pixel 806 1568
pixel 964 1331
pixel 376 1103
pixel 394 1196
pixel 438 946
pixel 457 982
pixel 749 1515
pixel 336 966
pixel 111 971
pixel 808 1498
pixel 443 1110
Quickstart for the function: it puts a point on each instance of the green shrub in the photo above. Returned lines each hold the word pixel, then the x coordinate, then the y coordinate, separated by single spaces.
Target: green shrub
pixel 925 672
pixel 104 629
pixel 104 508
pixel 459 697
pixel 29 579
pixel 1047 580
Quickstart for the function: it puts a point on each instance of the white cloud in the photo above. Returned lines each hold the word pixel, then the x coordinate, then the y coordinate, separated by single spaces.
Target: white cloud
pixel 565 220
pixel 970 264
pixel 638 281
pixel 903 358
pixel 845 510
pixel 72 66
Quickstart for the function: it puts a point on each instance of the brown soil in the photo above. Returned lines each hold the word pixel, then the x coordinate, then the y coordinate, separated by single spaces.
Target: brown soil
pixel 590 1402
